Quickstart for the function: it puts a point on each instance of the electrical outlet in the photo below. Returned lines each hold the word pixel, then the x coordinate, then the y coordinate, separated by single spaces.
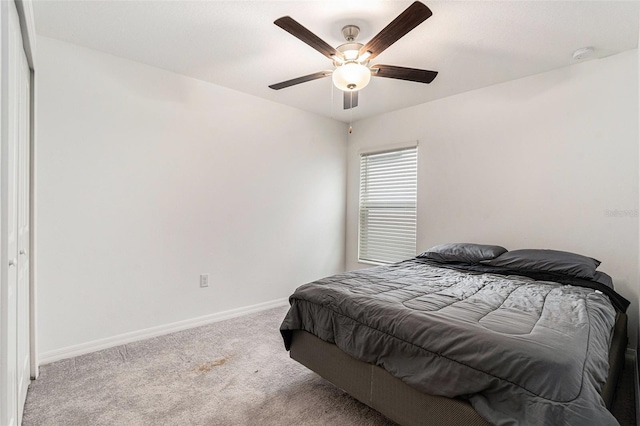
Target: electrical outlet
pixel 204 280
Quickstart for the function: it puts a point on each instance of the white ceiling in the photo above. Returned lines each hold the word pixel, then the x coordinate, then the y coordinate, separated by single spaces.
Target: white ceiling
pixel 235 43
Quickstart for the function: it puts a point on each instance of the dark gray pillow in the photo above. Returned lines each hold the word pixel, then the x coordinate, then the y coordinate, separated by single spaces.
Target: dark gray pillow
pixel 463 252
pixel 603 278
pixel 561 262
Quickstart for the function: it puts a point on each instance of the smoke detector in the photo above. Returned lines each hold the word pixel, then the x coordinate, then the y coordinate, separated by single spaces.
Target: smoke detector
pixel 583 53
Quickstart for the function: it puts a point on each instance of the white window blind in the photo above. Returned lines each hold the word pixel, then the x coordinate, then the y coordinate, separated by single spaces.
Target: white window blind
pixel 388 194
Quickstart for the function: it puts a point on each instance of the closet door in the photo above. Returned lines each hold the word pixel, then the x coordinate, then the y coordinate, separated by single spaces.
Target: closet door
pixel 14 184
pixel 9 217
pixel 22 307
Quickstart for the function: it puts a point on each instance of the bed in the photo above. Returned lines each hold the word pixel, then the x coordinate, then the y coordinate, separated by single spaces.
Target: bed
pixel 468 334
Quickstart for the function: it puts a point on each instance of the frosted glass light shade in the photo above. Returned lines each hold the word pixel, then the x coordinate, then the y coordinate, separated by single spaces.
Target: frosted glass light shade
pixel 351 76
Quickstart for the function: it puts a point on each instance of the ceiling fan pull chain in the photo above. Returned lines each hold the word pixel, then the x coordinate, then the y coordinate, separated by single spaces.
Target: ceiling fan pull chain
pixel 351 113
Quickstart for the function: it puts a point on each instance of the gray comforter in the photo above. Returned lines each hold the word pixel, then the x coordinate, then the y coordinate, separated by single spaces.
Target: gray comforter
pixel 522 351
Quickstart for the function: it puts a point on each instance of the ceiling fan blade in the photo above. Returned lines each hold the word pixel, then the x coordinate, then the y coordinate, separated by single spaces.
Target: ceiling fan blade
pixel 291 26
pixel 413 16
pixel 402 73
pixel 350 99
pixel 299 80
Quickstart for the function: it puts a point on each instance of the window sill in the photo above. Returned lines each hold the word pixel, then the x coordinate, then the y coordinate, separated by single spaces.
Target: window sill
pixel 370 262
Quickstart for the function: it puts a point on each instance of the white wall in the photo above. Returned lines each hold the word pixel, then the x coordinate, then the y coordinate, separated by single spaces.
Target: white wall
pixel 532 163
pixel 147 179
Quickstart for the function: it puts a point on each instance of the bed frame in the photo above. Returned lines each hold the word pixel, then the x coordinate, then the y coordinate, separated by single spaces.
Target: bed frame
pixel 375 387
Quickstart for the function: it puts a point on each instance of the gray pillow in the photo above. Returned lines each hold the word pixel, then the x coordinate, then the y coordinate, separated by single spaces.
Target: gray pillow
pixel 603 278
pixel 561 262
pixel 462 252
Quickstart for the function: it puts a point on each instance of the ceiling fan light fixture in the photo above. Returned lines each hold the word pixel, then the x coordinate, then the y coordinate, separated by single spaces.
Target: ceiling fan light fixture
pixel 351 55
pixel 351 76
pixel 364 56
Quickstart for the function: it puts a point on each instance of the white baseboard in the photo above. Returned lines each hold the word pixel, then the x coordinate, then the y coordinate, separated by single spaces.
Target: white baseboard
pixel 121 339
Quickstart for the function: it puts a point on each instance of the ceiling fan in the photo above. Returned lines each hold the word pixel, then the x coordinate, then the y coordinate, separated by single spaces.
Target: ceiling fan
pixel 351 59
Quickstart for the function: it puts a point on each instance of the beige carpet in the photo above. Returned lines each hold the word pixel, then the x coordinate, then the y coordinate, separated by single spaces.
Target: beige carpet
pixel 234 372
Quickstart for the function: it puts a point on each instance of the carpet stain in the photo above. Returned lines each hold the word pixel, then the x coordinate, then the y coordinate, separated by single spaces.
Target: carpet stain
pixel 208 366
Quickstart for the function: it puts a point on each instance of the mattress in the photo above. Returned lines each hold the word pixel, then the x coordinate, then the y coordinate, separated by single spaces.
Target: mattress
pixel 515 347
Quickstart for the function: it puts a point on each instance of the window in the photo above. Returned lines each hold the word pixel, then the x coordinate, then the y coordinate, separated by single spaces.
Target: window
pixel 388 194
